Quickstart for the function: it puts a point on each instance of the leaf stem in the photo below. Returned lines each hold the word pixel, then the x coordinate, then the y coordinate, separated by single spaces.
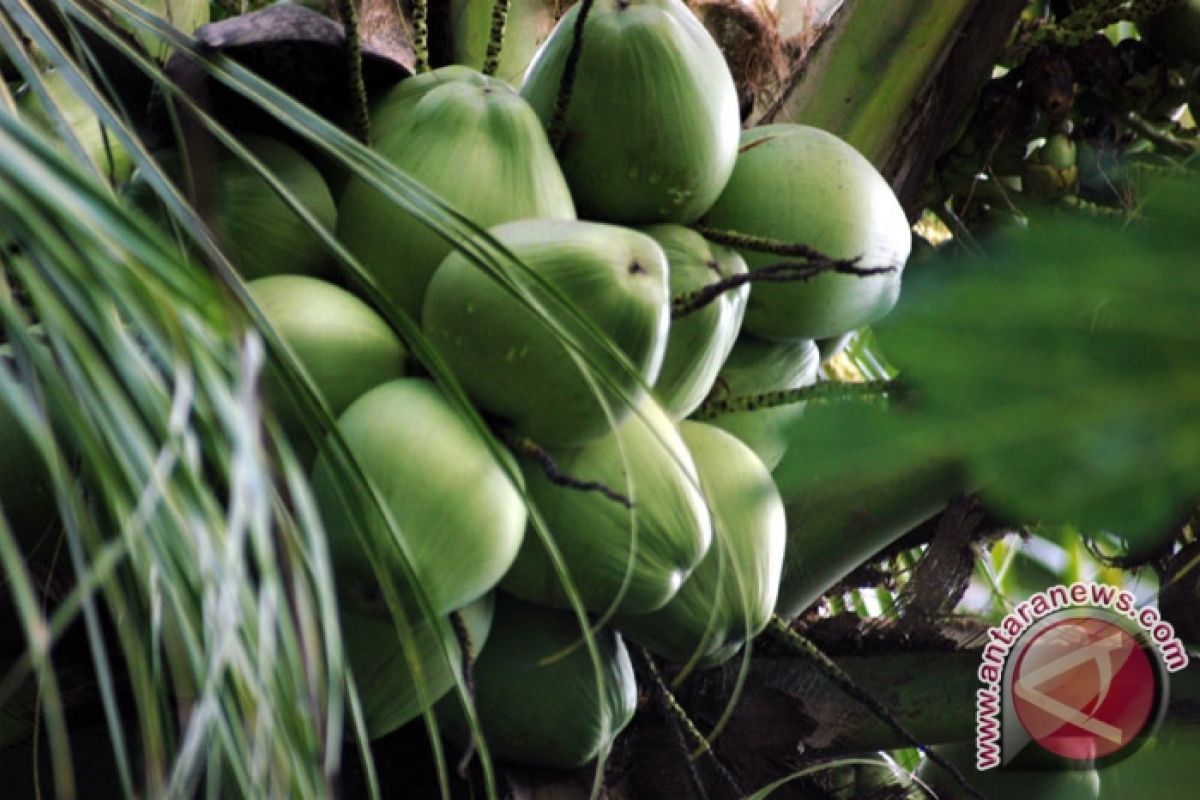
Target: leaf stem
pixel 360 121
pixel 420 22
pixel 763 244
pixel 682 720
pixel 527 448
pixel 826 390
pixel 466 648
pixel 784 272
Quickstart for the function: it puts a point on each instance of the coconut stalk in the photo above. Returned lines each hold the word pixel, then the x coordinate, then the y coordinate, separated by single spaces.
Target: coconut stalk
pixel 897 91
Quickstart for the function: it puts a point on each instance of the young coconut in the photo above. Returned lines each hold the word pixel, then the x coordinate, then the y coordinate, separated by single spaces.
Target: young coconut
pixel 528 24
pixel 346 347
pixel 698 343
pixel 756 367
pixel 460 516
pixel 798 184
pixel 509 358
pixel 473 141
pixel 650 133
pixel 640 556
pixel 100 145
pixel 537 705
pixel 385 680
pixel 256 229
pixel 730 597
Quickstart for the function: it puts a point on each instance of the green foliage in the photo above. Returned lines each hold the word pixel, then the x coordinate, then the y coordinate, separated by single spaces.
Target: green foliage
pixel 1059 374
pixel 1063 371
pixel 141 390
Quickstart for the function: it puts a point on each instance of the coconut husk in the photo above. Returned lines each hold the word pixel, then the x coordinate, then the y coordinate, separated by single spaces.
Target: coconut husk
pixel 748 35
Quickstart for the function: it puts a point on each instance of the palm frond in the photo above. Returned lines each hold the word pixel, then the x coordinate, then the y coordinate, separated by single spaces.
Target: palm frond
pixel 180 511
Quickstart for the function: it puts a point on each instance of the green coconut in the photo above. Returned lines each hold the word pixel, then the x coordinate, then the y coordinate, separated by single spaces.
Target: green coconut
pixel 459 514
pixel 473 141
pixel 99 143
pixel 513 363
pixel 537 705
pixel 730 596
pixel 1175 31
pixel 1007 783
pixel 257 231
pixel 650 134
pixel 390 696
pixel 795 183
pixel 597 537
pixel 346 347
pixel 699 343
pixel 756 367
pixel 528 24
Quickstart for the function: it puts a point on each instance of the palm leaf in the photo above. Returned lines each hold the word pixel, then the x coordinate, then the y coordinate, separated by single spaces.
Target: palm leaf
pixel 175 514
pixel 395 186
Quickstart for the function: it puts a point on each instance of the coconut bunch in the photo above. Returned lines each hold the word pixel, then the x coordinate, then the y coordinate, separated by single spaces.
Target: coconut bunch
pixel 551 461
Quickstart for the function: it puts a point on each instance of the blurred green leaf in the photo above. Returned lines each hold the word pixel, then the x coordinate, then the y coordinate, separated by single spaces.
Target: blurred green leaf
pixel 1064 370
pixel 1068 363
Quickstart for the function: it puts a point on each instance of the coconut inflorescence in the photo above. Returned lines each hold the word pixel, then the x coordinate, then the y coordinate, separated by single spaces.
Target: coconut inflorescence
pixel 591 347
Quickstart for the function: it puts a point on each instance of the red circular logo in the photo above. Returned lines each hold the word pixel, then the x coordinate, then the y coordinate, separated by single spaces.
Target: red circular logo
pixel 1084 688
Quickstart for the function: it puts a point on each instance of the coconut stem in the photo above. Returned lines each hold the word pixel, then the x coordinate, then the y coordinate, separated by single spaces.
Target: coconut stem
pixel 683 722
pixel 826 390
pixel 558 117
pixel 527 448
pixel 420 22
pixel 840 678
pixel 491 61
pixel 466 647
pixel 786 272
pixel 360 122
